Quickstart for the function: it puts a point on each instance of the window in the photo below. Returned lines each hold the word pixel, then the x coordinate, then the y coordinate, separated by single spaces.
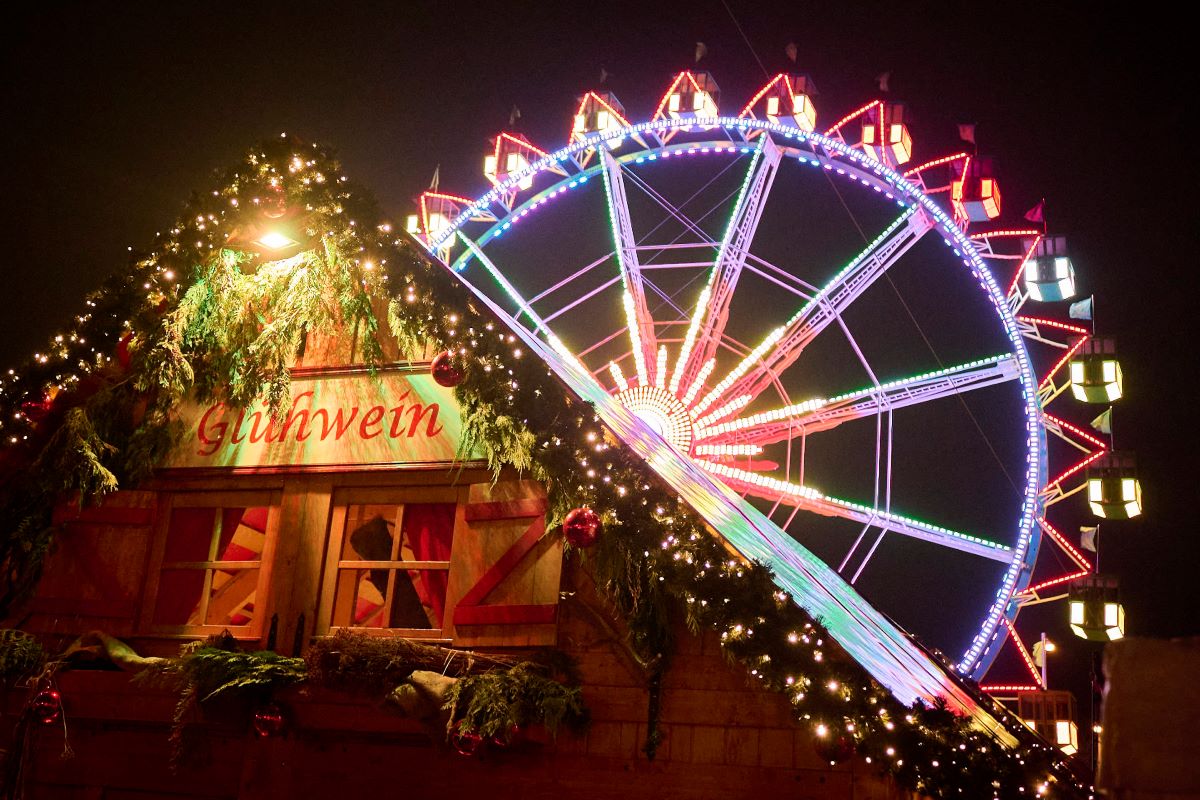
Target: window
pixel 212 564
pixel 388 563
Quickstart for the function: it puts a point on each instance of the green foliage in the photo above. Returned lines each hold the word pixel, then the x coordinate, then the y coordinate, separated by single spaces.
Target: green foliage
pixel 374 665
pixel 20 654
pixel 73 459
pixel 497 703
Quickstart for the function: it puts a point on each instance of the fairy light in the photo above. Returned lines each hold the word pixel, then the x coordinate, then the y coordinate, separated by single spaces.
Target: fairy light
pixel 614 369
pixel 698 383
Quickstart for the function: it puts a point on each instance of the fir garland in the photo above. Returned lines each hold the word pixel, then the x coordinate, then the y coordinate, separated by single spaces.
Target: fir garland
pixel 232 335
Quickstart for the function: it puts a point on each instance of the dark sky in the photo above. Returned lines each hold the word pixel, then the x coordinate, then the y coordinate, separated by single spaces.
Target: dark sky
pixel 114 112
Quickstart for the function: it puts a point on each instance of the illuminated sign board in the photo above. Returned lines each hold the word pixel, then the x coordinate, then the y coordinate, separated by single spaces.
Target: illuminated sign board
pixel 397 417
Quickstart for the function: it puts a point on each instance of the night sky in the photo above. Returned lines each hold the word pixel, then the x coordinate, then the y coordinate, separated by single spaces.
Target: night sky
pixel 115 112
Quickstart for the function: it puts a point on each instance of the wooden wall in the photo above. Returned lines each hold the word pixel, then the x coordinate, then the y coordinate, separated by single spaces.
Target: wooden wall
pixel 723 737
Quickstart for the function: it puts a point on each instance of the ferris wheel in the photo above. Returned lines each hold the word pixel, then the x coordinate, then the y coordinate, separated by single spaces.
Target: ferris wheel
pixel 806 320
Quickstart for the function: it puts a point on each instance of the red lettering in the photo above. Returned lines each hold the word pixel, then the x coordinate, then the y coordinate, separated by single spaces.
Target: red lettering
pixel 431 428
pixel 340 425
pixel 237 436
pixel 301 420
pixel 373 417
pixel 210 444
pixel 255 434
pixel 397 414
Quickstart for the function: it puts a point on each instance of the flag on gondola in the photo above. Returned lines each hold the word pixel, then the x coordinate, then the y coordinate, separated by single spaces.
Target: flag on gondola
pixel 1037 213
pixel 966 131
pixel 701 51
pixel 882 79
pixel 1039 654
pixel 1103 423
pixel 1081 310
pixel 1087 537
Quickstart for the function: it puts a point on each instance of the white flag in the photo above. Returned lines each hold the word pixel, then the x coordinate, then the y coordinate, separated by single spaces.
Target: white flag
pixel 1039 654
pixel 1081 310
pixel 1087 537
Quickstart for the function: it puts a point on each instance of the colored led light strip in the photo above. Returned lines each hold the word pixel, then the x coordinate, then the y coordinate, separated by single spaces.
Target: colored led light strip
pixel 883 515
pixel 1068 473
pixel 937 162
pixel 701 310
pixel 1021 267
pixel 1071 351
pixel 1025 657
pixel 852 115
pixel 1053 323
pixel 662 103
pixel 1082 434
pixel 1080 560
pixel 1005 233
pixel 993 688
pixel 1055 581
pixel 747 110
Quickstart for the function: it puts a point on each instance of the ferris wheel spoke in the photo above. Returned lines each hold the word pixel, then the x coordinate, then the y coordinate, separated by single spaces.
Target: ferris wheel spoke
pixel 782 346
pixel 637 315
pixel 809 499
pixel 712 308
pixel 822 414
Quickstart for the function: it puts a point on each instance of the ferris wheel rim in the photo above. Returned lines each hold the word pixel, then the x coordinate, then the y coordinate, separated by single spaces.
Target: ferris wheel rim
pixel 848 162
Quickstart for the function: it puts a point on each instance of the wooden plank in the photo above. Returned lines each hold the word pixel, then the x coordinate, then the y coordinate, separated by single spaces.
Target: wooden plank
pixel 305 516
pixel 507 509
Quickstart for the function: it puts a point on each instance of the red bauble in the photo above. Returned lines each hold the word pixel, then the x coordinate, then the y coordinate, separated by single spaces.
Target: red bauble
pixel 46 706
pixel 834 749
pixel 465 744
pixel 269 720
pixel 445 371
pixel 582 527
pixel 274 205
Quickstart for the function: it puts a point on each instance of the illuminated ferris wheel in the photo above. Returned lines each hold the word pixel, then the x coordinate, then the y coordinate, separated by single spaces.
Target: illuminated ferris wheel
pixel 810 322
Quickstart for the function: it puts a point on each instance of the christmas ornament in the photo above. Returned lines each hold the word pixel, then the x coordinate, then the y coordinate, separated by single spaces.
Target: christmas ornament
pixel 274 205
pixel 834 749
pixel 464 743
pixel 582 527
pixel 269 720
pixel 46 706
pixel 444 371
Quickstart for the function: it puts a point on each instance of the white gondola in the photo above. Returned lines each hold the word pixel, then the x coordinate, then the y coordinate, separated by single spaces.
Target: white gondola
pixel 1049 275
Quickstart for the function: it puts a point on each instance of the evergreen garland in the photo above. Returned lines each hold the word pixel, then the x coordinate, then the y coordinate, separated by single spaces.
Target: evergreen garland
pixel 232 333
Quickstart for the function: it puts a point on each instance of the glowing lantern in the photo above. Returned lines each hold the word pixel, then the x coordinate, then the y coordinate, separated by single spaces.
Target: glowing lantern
pixel 1049 275
pixel 791 96
pixel 1096 373
pixel 1114 491
pixel 693 95
pixel 1052 714
pixel 976 193
pixel 1095 608
pixel 885 133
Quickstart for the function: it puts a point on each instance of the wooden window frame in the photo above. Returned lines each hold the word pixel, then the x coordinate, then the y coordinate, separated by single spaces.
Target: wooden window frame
pixel 340 502
pixel 265 564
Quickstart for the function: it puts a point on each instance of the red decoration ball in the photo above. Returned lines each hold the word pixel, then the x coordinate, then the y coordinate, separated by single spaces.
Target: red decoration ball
pixel 582 527
pixel 445 371
pixel 269 720
pixel 834 749
pixel 46 706
pixel 465 744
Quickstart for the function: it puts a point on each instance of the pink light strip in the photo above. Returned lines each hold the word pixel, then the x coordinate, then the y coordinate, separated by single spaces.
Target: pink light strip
pixel 1004 234
pixel 662 103
pixel 1053 323
pixel 1056 581
pixel 443 196
pixel 992 688
pixel 852 115
pixel 1061 541
pixel 760 94
pixel 1075 468
pixel 1021 267
pixel 1024 653
pixel 1082 434
pixel 1066 357
pixel 936 162
pixel 521 143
